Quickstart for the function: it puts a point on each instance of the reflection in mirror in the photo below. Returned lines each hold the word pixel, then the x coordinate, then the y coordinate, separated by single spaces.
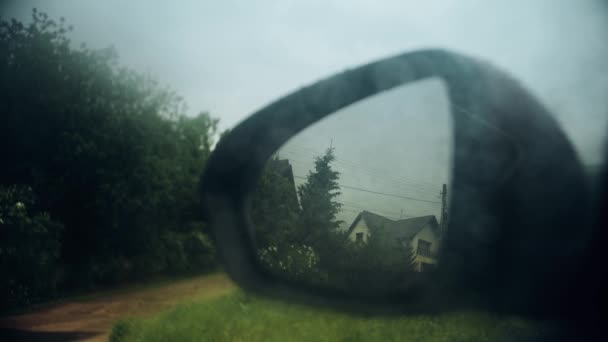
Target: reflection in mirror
pixel 358 201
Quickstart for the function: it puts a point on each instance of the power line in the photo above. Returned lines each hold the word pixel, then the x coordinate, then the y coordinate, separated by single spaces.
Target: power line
pixel 391 195
pixel 417 188
pixel 359 167
pixel 358 211
pixel 359 206
pixel 380 193
pixel 408 182
pixel 315 152
pixel 384 213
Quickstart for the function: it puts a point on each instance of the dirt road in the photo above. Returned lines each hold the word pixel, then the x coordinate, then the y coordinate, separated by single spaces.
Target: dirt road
pixel 91 319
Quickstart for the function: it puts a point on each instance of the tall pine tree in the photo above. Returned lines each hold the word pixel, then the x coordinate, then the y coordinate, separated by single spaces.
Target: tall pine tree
pixel 318 225
pixel 318 194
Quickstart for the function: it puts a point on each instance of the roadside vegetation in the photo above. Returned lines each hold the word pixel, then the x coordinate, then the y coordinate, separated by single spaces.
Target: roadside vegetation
pixel 100 169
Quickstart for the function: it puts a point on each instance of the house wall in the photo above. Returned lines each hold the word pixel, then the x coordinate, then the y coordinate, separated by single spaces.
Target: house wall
pixel 426 234
pixel 361 227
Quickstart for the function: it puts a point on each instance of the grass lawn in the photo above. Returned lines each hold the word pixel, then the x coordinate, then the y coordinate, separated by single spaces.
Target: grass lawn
pixel 242 317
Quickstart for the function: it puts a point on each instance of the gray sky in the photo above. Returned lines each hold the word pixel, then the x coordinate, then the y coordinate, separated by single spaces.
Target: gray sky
pixel 232 57
pixel 397 143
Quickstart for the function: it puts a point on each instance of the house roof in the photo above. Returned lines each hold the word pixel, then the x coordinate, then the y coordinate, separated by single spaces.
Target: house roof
pixel 282 167
pixel 395 230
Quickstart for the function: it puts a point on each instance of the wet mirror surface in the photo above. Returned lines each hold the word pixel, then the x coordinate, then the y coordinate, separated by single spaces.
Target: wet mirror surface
pixel 358 201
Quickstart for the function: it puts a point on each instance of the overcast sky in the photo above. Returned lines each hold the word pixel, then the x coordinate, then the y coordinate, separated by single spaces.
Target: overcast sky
pixel 393 151
pixel 232 57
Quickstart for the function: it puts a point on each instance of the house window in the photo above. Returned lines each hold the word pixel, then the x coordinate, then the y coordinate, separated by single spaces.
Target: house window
pixel 359 237
pixel 424 248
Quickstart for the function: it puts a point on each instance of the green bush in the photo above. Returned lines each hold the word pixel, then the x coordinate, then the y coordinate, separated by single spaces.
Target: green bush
pixel 120 331
pixel 372 266
pixel 295 262
pixel 187 252
pixel 110 154
pixel 29 248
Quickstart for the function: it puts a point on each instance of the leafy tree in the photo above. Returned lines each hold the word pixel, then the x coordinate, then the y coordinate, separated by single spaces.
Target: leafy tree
pixel 303 242
pixel 374 265
pixel 108 152
pixel 29 248
pixel 274 212
pixel 274 207
pixel 289 234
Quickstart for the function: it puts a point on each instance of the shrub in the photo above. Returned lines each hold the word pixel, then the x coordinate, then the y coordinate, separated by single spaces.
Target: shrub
pixel 120 330
pixel 295 262
pixel 187 252
pixel 29 248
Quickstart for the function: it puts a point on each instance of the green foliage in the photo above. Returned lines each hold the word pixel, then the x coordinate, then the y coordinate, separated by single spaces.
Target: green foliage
pixel 295 262
pixel 305 244
pixel 120 331
pixel 382 255
pixel 243 317
pixel 317 198
pixel 274 208
pixel 296 239
pixel 108 152
pixel 188 252
pixel 373 266
pixel 29 248
pixel 317 224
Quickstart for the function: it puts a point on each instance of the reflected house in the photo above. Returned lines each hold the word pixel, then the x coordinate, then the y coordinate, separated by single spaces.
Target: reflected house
pixel 421 234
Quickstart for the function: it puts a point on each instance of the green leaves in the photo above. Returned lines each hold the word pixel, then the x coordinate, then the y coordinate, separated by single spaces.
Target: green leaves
pixel 319 209
pixel 302 241
pixel 29 247
pixel 108 152
pixel 296 237
pixel 275 209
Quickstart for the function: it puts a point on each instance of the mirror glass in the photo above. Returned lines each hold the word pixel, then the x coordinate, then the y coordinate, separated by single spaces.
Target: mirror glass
pixel 358 201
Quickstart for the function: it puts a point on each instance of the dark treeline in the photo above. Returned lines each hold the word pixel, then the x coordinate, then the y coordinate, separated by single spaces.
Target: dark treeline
pixel 99 169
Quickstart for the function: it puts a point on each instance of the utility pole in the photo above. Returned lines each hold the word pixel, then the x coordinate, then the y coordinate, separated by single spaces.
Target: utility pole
pixel 443 223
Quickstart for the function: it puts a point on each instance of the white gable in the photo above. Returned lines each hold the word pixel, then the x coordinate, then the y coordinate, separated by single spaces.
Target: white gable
pixel 360 228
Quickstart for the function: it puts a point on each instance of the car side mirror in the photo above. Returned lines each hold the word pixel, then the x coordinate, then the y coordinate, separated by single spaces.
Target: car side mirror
pixel 517 190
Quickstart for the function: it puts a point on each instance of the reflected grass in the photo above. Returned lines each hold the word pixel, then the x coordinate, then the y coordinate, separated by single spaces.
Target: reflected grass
pixel 243 317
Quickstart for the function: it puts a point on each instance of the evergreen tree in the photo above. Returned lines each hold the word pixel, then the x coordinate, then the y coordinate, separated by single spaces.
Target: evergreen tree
pixel 318 225
pixel 318 222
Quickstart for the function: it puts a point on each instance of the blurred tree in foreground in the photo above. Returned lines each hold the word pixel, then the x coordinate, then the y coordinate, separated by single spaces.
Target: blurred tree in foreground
pixel 108 153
